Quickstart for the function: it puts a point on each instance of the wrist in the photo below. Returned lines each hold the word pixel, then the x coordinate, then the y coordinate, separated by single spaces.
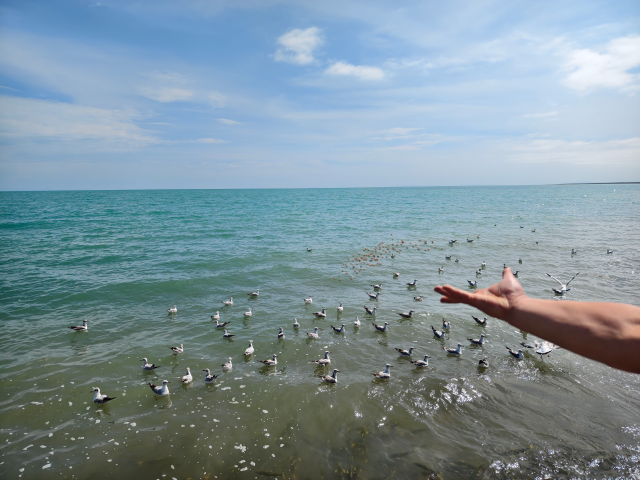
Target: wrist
pixel 517 304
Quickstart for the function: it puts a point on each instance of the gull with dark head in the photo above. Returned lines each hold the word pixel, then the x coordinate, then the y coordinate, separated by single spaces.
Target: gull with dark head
pixel 377 287
pixel 340 308
pixel 483 363
pixel 254 294
pixel 99 398
pixel 372 296
pixel 370 311
pixel 447 257
pixel 446 325
pixel 573 251
pixel 469 241
pixel 280 334
pixel 473 284
pixel 412 284
pixel 338 329
pixel 418 298
pixel 396 274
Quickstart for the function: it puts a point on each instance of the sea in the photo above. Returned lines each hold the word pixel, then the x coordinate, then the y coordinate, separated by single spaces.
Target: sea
pixel 120 259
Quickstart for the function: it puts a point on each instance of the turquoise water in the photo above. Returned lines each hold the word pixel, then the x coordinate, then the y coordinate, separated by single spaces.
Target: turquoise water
pixel 121 258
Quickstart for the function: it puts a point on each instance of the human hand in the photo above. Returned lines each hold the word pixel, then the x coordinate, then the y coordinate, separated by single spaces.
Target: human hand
pixel 497 300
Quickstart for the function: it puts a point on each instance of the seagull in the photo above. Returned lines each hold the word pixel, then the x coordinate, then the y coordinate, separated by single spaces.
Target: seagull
pixel 484 264
pixel 482 322
pixel 322 314
pixel 309 300
pixel 563 288
pixel 228 302
pixel 457 260
pixel 308 249
pixel 187 378
pixel 473 284
pixel 338 330
pixel 295 323
pixel 437 333
pixel 323 361
pixel 249 350
pixel 447 257
pixel 248 314
pixel 379 328
pixel 227 335
pixel 421 363
pixel 520 260
pixel 534 230
pixel 385 374
pixel 469 240
pixel 81 328
pixel 483 363
pixel 446 325
pixel 479 272
pixel 418 298
pixel 178 350
pixel 451 242
pixel 515 354
pixel 609 250
pixel 515 274
pixel 408 314
pixel 521 226
pixel 340 308
pixel 541 348
pixel 377 287
pixel 254 294
pixel 373 297
pixel 396 274
pixel 148 366
pixel 209 378
pixel 270 363
pixel 333 378
pixel 314 334
pixel 477 341
pixel 412 284
pixel 357 322
pixel 227 365
pixel 405 353
pixel 453 351
pixel 441 269
pixel 222 325
pixel 99 398
pixel 370 311
pixel 280 334
pixel 161 391
pixel 573 251
pixel 172 310
pixel 216 316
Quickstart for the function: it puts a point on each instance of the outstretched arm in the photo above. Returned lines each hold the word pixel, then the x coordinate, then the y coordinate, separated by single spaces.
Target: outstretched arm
pixel 605 332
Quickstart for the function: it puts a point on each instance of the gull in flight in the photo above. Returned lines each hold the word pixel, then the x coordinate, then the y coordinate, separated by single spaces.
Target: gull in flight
pixel 99 398
pixel 518 355
pixel 563 288
pixel 323 361
pixel 357 322
pixel 477 341
pixel 172 310
pixel 225 334
pixel 338 330
pixel 322 314
pixel 370 311
pixel 340 308
pixel 270 363
pixel 222 325
pixel 482 322
pixel 148 366
pixel 333 378
pixel 187 378
pixel 379 328
pixel 209 378
pixel 249 350
pixel 405 353
pixel 178 350
pixel 227 365
pixel 295 323
pixel 483 363
pixel 453 351
pixel 422 363
pixel 437 333
pixel 309 300
pixel 385 374
pixel 313 334
pixel 408 314
pixel 81 328
pixel 254 294
pixel 161 391
pixel 228 302
pixel 216 316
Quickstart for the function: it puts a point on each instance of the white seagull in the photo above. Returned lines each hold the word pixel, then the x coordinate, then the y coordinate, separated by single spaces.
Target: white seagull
pixel 609 250
pixel 323 361
pixel 446 325
pixel 412 284
pixel 541 348
pixel 408 314
pixel 385 374
pixel 373 297
pixel 338 330
pixel 254 294
pixel 187 378
pixel 405 353
pixel 573 251
pixel 209 378
pixel 226 334
pixel 477 341
pixel 172 310
pixel 517 355
pixel 313 334
pixel 227 365
pixel 308 301
pixel 228 303
pixel 161 391
pixel 377 287
pixel 418 298
pixel 222 325
pixel 249 350
pixel 322 314
pixel 396 274
pixel 280 334
pixel 148 366
pixel 248 314
pixel 473 284
pixel 340 308
pixel 99 398
pixel 295 323
pixel 453 351
pixel 437 333
pixel 563 288
pixel 482 322
pixel 379 328
pixel 483 363
pixel 357 322
pixel 271 363
pixel 422 363
pixel 447 257
pixel 178 350
pixel 216 316
pixel 441 269
pixel 370 311
pixel 81 328
pixel 483 264
pixel 333 378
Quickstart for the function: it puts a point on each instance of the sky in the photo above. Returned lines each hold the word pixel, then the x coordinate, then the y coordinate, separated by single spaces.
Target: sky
pixel 296 94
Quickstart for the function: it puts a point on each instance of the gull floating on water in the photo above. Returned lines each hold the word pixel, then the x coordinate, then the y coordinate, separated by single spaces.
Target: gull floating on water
pixel 373 297
pixel 379 328
pixel 338 330
pixel 148 366
pixel 418 298
pixel 469 240
pixel 216 316
pixel 515 274
pixel 437 333
pixel 309 300
pixel 385 374
pixel 478 272
pixel 333 378
pixel 441 269
pixel 447 257
pixel 225 334
pixel 483 363
pixel 295 323
pixel 271 363
pixel 178 350
pixel 482 322
pixel 227 365
pixel 377 287
pixel 370 311
pixel 209 378
pixel 473 284
pixel 173 310
pixel 408 314
pixel 483 265
pixel 81 328
pixel 563 288
pixel 187 378
pixel 322 314
pixel 518 355
pixel 457 260
pixel 222 325
pixel 453 351
pixel 412 284
pixel 357 322
pixel 308 249
pixel 609 250
pixel 313 334
pixel 228 302
pixel 405 353
pixel 534 230
pixel 477 341
pixel 248 314
pixel 323 361
pixel 161 391
pixel 446 325
pixel 541 348
pixel 249 350
pixel 396 274
pixel 280 334
pixel 254 294
pixel 422 363
pixel 573 251
pixel 340 308
pixel 99 398
pixel 451 242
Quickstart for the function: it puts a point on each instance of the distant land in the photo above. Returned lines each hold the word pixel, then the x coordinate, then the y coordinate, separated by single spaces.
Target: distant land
pixel 599 183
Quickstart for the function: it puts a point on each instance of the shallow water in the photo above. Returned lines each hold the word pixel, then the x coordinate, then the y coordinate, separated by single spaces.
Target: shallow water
pixel 120 259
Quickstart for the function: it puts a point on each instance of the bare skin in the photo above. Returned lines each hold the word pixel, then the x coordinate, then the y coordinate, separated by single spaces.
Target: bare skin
pixel 605 332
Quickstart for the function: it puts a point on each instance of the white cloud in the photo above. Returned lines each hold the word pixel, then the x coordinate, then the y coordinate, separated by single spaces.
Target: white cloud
pixel 541 115
pixel 397 132
pixel 209 140
pixel 226 121
pixel 298 46
pixel 166 94
pixel 217 99
pixel 609 68
pixel 363 72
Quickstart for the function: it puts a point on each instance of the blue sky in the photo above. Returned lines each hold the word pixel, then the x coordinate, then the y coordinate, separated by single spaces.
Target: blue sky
pixel 257 94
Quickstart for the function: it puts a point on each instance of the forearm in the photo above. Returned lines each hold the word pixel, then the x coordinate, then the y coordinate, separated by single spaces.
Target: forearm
pixel 605 332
